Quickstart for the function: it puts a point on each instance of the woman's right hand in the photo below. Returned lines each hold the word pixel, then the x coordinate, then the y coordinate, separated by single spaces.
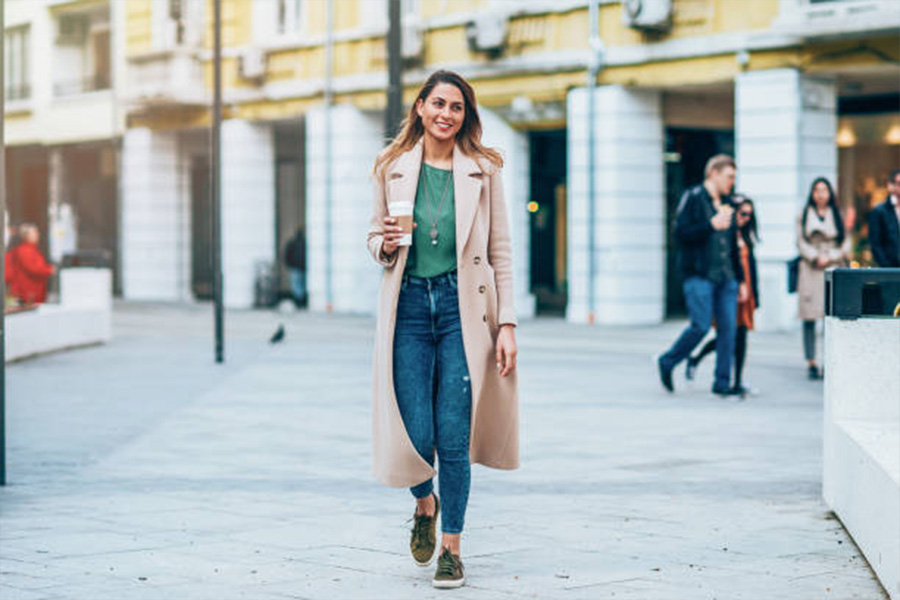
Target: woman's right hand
pixel 392 235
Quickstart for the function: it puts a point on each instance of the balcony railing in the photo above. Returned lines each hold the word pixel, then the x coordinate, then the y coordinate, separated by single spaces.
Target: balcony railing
pixel 17 92
pixel 100 81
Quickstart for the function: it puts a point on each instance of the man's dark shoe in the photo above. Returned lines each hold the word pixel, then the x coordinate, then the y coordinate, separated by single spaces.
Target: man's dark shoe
pixel 691 367
pixel 814 373
pixel 665 376
pixel 449 573
pixel 422 542
pixel 728 392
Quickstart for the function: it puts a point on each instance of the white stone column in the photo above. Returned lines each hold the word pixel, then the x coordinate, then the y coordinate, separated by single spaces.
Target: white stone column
pixel 517 191
pixel 248 207
pixel 630 273
pixel 151 216
pixel 785 127
pixel 356 140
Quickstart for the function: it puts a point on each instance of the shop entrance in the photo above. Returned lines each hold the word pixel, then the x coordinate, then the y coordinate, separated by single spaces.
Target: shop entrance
pixel 687 151
pixel 290 207
pixel 547 222
pixel 201 230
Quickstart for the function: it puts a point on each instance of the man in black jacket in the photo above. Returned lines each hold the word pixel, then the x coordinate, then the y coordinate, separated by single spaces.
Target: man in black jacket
pixel 884 226
pixel 707 234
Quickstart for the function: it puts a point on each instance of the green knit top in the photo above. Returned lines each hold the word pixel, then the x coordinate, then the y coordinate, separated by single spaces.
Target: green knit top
pixel 427 259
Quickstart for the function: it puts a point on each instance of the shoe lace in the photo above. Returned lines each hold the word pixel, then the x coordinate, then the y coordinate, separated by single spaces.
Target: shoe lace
pixel 420 529
pixel 448 564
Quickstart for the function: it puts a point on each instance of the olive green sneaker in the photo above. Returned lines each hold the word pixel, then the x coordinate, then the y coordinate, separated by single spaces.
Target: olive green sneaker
pixel 422 542
pixel 449 573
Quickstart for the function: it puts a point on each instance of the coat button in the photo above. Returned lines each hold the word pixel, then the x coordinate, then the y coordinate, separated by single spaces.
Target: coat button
pixel 480 289
pixel 484 318
pixel 477 260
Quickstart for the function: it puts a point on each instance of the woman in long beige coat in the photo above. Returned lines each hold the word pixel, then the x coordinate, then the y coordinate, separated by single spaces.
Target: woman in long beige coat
pixel 445 351
pixel 823 243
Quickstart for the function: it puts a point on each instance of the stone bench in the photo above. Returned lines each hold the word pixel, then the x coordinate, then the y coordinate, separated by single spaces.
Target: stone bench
pixel 861 480
pixel 83 316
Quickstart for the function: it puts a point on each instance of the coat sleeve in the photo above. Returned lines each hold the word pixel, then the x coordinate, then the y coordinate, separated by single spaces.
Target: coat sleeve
pixel 876 235
pixel 807 250
pixel 376 227
pixel 688 228
pixel 500 253
pixel 32 263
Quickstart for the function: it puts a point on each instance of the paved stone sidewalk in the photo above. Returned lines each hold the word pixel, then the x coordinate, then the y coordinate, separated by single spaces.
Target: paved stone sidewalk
pixel 140 470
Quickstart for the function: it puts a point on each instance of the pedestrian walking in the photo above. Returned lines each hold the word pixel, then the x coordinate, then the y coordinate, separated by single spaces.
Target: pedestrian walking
pixel 823 243
pixel 706 231
pixel 295 261
pixel 748 294
pixel 884 226
pixel 445 351
pixel 28 270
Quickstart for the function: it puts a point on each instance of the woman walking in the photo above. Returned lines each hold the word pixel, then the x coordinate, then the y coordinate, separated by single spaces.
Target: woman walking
pixel 823 243
pixel 748 295
pixel 445 353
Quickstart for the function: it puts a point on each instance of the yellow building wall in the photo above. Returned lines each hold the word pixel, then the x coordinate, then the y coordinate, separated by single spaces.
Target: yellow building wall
pixel 138 27
pixel 528 35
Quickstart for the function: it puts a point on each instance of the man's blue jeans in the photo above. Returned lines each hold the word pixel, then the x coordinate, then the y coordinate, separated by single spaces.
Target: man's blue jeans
pixel 431 380
pixel 706 299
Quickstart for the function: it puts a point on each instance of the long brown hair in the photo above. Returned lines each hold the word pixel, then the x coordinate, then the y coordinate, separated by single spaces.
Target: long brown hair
pixel 468 137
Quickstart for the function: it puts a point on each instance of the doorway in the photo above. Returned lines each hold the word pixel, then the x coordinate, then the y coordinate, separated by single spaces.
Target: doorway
pixel 547 221
pixel 687 151
pixel 201 230
pixel 290 206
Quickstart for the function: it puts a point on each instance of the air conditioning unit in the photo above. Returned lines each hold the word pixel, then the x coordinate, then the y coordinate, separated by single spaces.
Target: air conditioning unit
pixel 72 29
pixel 412 43
pixel 647 15
pixel 487 33
pixel 253 64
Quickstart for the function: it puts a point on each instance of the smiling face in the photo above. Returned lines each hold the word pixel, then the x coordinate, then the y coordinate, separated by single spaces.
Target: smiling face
pixel 442 112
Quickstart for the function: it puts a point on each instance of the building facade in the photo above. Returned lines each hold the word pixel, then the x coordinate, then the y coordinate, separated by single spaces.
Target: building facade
pixel 793 88
pixel 63 124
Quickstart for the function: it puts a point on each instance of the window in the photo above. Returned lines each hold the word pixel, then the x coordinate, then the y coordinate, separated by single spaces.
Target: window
pixel 82 53
pixel 17 85
pixel 176 23
pixel 290 16
pixel 409 9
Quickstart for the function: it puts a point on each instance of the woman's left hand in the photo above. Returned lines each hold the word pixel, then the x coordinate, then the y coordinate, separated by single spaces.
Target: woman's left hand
pixel 506 350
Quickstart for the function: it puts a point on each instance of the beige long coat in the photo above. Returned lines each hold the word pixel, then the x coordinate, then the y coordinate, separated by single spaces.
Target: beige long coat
pixel 820 240
pixel 484 266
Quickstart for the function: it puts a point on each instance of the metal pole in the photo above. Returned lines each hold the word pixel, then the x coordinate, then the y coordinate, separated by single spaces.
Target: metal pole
pixel 394 113
pixel 3 262
pixel 215 179
pixel 329 52
pixel 593 69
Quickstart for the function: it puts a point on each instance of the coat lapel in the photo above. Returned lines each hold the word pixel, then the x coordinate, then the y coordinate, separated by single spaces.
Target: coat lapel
pixel 403 179
pixel 466 193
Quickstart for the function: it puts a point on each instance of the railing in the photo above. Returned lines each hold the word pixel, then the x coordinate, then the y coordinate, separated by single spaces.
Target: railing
pixel 18 92
pixel 100 81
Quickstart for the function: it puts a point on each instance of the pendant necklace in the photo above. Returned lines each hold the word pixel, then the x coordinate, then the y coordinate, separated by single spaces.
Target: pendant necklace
pixel 434 219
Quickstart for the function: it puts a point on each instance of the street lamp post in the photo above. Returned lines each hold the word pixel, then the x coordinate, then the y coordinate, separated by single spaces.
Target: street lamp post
pixel 394 112
pixel 3 262
pixel 594 64
pixel 216 179
pixel 328 93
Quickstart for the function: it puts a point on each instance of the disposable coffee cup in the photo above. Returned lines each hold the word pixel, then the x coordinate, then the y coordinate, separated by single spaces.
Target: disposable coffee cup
pixel 403 211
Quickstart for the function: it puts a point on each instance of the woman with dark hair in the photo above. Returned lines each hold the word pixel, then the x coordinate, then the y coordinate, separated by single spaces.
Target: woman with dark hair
pixel 823 243
pixel 445 353
pixel 748 296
